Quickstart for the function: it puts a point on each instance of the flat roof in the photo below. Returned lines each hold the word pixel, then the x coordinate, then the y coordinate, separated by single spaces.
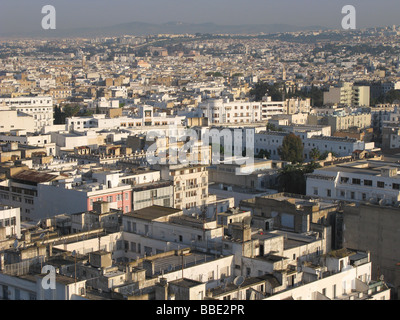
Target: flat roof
pixel 173 263
pixel 371 169
pixel 187 283
pixel 152 213
pixel 34 176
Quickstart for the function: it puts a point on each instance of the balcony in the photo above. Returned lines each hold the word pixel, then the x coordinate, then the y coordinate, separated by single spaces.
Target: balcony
pixel 192 186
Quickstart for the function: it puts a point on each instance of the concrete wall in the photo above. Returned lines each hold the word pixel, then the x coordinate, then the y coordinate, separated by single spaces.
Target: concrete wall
pixel 56 200
pixel 375 228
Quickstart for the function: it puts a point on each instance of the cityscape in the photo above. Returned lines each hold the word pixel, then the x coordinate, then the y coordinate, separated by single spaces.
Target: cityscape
pixel 200 162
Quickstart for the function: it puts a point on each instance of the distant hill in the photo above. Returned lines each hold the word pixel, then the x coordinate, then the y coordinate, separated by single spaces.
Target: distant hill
pixel 143 28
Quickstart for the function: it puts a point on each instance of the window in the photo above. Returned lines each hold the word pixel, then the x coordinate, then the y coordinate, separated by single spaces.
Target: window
pixel 328 193
pixel 368 183
pixel 344 179
pixel 356 181
pixel 380 184
pixel 396 186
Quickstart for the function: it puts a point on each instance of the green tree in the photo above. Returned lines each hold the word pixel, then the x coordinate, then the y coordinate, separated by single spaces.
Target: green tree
pixel 292 178
pixel 315 154
pixel 291 149
pixel 324 155
pixel 59 116
pixel 263 153
pixel 71 110
pixel 262 88
pixel 272 127
pixel 391 96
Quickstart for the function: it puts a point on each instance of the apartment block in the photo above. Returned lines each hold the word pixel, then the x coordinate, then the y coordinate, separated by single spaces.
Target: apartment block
pixel 360 181
pixel 40 108
pixel 348 94
pixel 190 185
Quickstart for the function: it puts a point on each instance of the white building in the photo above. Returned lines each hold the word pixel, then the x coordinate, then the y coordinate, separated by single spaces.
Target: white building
pixel 145 118
pixel 25 138
pixel 29 287
pixel 10 220
pixel 370 180
pixel 346 276
pixel 190 186
pixel 40 108
pixel 224 111
pixel 15 120
pixel 340 147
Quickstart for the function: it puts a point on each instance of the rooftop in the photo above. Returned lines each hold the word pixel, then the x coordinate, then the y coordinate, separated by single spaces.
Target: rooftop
pixel 152 213
pixel 34 176
pixel 186 283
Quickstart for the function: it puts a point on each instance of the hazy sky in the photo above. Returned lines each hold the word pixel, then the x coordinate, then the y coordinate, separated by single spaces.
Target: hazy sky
pixel 25 15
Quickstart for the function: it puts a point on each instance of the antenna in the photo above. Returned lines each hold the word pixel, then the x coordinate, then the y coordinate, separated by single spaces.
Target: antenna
pixel 74 254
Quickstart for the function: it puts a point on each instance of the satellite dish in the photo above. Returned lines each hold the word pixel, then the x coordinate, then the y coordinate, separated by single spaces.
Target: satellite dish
pixel 169 268
pixel 15 244
pixel 42 235
pixel 381 277
pixel 73 253
pixel 238 281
